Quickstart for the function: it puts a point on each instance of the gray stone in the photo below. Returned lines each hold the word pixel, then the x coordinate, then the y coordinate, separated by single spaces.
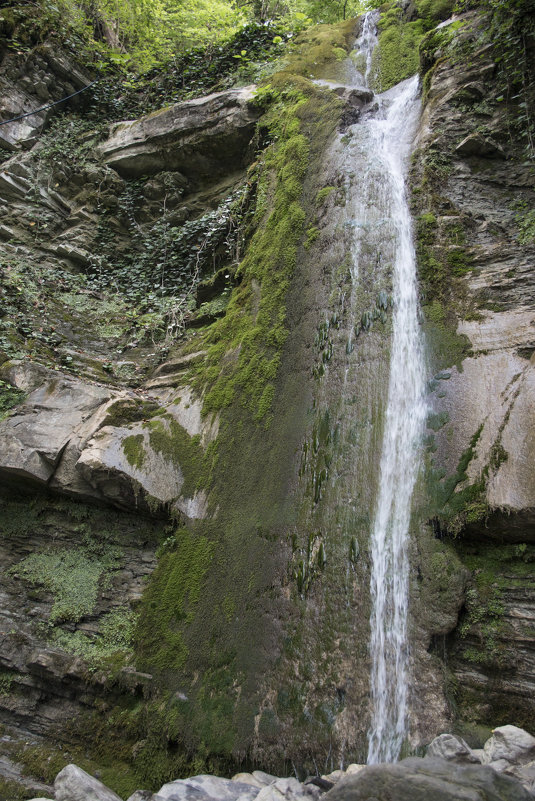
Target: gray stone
pixel 524 773
pixel 140 795
pixel 280 789
pixel 509 745
pixel 429 779
pixel 448 746
pixel 33 439
pixel 180 363
pixel 248 778
pixel 74 784
pixel 188 137
pixel 475 144
pixel 264 778
pixel 206 788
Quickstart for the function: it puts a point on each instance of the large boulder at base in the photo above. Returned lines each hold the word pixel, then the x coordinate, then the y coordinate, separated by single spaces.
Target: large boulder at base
pixel 429 779
pixel 511 744
pixel 206 788
pixel 448 746
pixel 190 137
pixel 74 784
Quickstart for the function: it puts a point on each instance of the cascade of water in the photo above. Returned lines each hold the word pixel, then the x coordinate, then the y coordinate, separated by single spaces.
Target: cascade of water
pixel 405 414
pixel 365 44
pixel 383 223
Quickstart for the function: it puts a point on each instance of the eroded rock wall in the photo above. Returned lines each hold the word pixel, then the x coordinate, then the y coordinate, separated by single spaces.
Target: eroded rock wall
pixel 473 186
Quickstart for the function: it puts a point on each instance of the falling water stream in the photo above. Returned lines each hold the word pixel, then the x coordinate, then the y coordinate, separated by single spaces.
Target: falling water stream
pixel 385 139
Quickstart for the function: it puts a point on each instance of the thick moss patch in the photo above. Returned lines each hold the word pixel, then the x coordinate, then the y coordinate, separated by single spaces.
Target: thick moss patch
pixel 170 601
pixel 400 35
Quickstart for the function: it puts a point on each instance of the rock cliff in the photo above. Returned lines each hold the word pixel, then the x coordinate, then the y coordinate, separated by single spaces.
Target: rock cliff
pixel 192 395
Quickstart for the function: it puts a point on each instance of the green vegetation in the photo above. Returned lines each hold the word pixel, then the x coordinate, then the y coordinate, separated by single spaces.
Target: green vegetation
pixel 495 569
pixel 169 438
pixel 510 29
pixel 170 601
pixel 244 346
pixel 72 575
pixel 454 502
pixel 397 57
pixel 134 450
pixel 9 398
pixel 525 219
pixel 112 646
pixel 323 194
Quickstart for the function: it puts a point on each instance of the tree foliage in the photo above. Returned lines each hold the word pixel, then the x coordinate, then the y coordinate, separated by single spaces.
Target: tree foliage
pixel 145 33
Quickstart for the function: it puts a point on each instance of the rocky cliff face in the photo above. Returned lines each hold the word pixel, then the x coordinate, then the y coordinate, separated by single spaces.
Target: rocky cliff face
pixel 473 185
pixel 180 350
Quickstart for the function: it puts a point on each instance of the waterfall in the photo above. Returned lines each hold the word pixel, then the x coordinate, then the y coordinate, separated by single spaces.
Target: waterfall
pixel 405 414
pixel 384 222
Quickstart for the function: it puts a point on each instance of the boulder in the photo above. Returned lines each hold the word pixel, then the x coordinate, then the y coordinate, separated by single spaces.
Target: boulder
pixel 248 778
pixel 509 745
pixel 448 746
pixel 525 775
pixel 282 789
pixel 140 795
pixel 74 784
pixel 189 137
pixel 206 788
pixel 429 779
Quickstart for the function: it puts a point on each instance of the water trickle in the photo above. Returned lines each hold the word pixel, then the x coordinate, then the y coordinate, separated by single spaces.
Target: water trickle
pixel 383 225
pixel 365 44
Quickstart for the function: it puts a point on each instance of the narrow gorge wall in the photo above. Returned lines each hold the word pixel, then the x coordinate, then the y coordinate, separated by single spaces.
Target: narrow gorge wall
pixel 473 184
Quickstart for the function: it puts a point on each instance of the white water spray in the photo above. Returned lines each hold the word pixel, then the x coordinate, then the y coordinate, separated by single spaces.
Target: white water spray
pixel 386 139
pixel 405 415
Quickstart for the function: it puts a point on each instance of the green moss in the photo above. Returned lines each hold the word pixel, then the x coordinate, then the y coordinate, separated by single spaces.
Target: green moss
pixel 9 398
pixel 449 504
pixel 323 194
pixel 459 260
pixel 244 346
pixel 72 576
pixel 437 421
pixel 317 48
pixel 173 442
pixel 113 641
pixel 525 220
pixel 312 235
pixel 6 682
pixel 134 450
pixel 125 412
pixel 396 56
pixel 13 791
pixel 170 600
pixel 223 578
